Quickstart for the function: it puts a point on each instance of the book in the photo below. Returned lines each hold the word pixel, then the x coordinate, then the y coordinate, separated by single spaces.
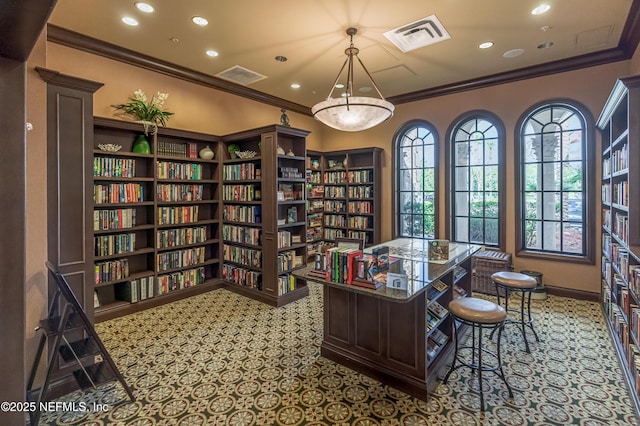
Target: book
pixel 438 250
pixel 292 214
pixel 380 258
pixel 439 285
pixel 439 310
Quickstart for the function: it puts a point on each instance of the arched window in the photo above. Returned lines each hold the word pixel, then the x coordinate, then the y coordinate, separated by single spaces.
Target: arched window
pixel 416 180
pixel 555 184
pixel 477 148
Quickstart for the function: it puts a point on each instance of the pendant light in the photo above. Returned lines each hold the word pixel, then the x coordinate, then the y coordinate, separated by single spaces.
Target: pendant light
pixel 352 113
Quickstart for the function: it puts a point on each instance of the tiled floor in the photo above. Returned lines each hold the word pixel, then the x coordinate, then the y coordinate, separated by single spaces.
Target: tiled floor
pixel 222 359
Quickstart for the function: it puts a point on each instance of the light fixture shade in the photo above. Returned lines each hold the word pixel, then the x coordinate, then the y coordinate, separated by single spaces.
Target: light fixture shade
pixel 360 113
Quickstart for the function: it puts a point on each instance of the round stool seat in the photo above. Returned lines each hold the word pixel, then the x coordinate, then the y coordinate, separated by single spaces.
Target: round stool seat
pixel 514 280
pixel 477 310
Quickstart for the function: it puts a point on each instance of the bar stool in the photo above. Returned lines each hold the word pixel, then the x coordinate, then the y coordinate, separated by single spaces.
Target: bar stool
pixel 523 284
pixel 479 314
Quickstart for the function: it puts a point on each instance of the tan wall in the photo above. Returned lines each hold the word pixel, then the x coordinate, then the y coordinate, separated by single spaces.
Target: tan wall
pixel 590 87
pixel 206 110
pixel 635 63
pixel 196 108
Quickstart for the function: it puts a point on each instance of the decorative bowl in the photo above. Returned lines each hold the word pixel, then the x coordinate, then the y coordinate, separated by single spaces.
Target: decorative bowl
pixel 246 154
pixel 109 147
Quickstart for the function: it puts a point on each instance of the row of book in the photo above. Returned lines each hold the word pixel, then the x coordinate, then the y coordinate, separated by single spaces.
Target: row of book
pixel 288 260
pixel 315 192
pixel 242 276
pixel 107 245
pixel 620 193
pixel 335 178
pixel 332 234
pixel 360 207
pixel 177 214
pixel 335 220
pixel 335 191
pixel 172 192
pixel 242 255
pixel 181 236
pixel 621 226
pixel 360 176
pixel 286 284
pixel 365 191
pixel 174 149
pixel 104 220
pixel 135 290
pixel 618 161
pixel 180 280
pixel 315 177
pixel 284 239
pixel 334 206
pixel 360 222
pixel 173 170
pixel 246 214
pixel 241 193
pixel 111 270
pixel 118 193
pixel 242 171
pixel 360 235
pixel 180 258
pixel 340 265
pixel 241 234
pixel 114 167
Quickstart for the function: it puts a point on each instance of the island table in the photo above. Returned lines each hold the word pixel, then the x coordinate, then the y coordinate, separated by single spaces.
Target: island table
pixel 390 334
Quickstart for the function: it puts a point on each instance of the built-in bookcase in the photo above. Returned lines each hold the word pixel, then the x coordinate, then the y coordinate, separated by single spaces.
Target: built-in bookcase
pixel 315 203
pixel 264 213
pixel 620 259
pixel 156 218
pixel 351 189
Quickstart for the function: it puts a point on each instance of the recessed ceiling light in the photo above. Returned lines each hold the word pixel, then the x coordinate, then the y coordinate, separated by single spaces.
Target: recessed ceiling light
pixel 199 20
pixel 144 7
pixel 339 86
pixel 486 45
pixel 281 58
pixel 129 21
pixel 174 39
pixel 365 89
pixel 540 9
pixel 212 53
pixel 295 86
pixel 545 45
pixel 513 53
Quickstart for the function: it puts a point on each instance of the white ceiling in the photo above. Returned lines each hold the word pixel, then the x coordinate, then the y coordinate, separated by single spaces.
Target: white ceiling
pixel 311 35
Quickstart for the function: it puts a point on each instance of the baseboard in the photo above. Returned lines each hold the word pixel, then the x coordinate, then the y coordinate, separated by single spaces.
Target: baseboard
pixel 572 293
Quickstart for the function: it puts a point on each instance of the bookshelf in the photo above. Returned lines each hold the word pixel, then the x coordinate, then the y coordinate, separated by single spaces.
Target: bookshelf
pixel 264 214
pixel 156 219
pixel 315 204
pixel 351 181
pixel 620 258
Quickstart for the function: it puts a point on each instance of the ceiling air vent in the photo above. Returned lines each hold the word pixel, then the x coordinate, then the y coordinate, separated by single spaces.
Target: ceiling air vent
pixel 240 75
pixel 417 34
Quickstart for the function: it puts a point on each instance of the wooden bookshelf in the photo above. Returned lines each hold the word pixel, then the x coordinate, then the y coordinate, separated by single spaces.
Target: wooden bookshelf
pixel 315 203
pixel 264 214
pixel 156 227
pixel 351 180
pixel 620 259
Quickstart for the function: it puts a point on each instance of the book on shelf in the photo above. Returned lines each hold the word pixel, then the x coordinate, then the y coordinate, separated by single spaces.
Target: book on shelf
pixel 439 285
pixel 292 215
pixel 432 320
pixel 439 310
pixel 438 250
pixel 432 349
pixel 438 336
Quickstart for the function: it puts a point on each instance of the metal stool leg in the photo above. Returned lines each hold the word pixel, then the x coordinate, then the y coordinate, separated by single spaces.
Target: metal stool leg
pixel 480 366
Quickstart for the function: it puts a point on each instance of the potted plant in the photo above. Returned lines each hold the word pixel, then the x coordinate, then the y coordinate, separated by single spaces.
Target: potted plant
pixel 233 149
pixel 147 112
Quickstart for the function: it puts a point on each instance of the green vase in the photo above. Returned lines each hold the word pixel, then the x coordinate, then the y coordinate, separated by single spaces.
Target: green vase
pixel 141 145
